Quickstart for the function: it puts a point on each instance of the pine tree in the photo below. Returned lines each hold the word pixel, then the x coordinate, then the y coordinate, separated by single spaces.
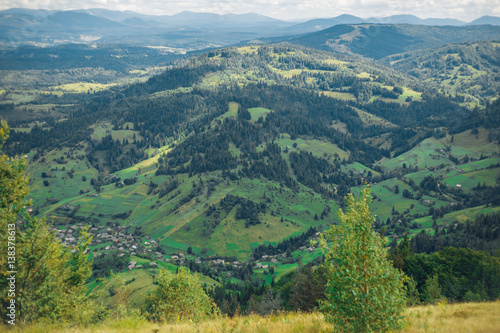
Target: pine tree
pixel 49 277
pixel 364 293
pixel 432 290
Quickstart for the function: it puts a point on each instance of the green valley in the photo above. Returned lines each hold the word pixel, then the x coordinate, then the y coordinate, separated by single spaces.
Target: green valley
pixel 231 162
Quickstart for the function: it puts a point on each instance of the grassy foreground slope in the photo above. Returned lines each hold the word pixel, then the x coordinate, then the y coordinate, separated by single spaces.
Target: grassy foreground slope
pixel 466 317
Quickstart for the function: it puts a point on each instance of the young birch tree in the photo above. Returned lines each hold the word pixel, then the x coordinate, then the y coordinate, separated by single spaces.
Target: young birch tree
pixel 364 293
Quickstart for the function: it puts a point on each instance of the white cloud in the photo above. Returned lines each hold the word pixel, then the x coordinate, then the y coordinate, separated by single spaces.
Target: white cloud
pixel 466 10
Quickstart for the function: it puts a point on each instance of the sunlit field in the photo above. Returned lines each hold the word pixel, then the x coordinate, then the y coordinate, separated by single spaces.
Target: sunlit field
pixel 464 317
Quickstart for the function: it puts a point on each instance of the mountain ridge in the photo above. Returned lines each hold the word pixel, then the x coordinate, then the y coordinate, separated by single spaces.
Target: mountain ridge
pixel 188 29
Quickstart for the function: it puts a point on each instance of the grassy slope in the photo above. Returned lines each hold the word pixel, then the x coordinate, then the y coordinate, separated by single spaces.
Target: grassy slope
pixel 139 282
pixel 179 228
pixel 166 224
pixel 432 157
pixel 457 318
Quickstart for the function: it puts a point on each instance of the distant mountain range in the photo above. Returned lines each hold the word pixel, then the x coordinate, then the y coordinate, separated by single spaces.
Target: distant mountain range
pixel 188 30
pixel 382 40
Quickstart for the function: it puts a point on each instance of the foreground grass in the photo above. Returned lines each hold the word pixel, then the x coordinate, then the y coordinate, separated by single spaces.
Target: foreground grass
pixel 467 317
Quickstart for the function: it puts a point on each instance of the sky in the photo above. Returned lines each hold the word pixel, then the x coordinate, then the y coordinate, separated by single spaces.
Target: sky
pixel 465 10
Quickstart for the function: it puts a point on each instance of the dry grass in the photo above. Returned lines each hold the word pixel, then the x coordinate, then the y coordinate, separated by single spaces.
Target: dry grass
pixel 456 318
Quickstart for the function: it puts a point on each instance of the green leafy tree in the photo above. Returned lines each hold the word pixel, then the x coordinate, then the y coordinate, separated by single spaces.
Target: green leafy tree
pixel 364 292
pixel 50 277
pixel 179 297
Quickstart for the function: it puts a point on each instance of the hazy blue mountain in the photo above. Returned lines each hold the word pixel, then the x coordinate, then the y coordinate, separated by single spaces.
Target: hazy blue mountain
pixel 139 22
pixel 194 30
pixel 442 21
pixel 26 11
pixel 188 30
pixel 81 21
pixel 114 15
pixel 320 24
pixel 412 19
pixel 493 20
pixel 199 19
pixel 395 19
pixel 378 41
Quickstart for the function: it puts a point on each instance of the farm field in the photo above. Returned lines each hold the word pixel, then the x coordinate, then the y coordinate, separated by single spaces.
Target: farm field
pixel 461 216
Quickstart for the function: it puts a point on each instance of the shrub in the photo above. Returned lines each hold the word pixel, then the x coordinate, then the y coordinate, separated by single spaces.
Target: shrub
pixel 179 297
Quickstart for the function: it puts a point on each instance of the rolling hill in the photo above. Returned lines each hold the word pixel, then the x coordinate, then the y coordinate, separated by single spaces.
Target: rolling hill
pixel 381 40
pixel 470 69
pixel 288 129
pixel 230 161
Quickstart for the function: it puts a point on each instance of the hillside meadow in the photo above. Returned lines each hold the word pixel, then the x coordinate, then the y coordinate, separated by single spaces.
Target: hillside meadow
pixel 456 318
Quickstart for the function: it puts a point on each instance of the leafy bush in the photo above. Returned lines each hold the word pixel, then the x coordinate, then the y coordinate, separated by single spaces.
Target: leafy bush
pixel 179 297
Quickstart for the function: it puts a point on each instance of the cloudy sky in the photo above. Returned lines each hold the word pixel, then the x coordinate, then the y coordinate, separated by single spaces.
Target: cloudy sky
pixel 466 10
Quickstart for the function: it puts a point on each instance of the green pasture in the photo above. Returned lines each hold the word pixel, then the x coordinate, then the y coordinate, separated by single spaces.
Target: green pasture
pixel 232 112
pixel 251 49
pixel 258 112
pixel 318 148
pixel 339 95
pixel 140 282
pixel 385 198
pixel 21 129
pixel 167 93
pixel 83 87
pixel 282 269
pixel 473 178
pixel 468 175
pixel 231 237
pixel 426 154
pixel 460 216
pixel 103 129
pixel 473 145
pixel 61 185
pixel 358 168
pixel 372 120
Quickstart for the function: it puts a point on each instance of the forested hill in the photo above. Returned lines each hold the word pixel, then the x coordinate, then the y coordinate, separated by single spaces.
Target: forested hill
pixel 247 146
pixel 464 68
pixel 380 40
